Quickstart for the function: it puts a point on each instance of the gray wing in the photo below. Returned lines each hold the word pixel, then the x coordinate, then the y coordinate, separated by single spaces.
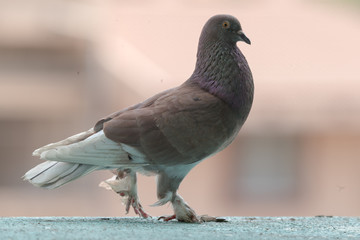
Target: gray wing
pixel 184 125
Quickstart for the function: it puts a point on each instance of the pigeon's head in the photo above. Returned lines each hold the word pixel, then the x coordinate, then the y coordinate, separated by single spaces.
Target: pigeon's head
pixel 224 28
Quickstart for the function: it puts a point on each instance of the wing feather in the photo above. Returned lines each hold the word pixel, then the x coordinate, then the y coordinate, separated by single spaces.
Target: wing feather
pixel 185 125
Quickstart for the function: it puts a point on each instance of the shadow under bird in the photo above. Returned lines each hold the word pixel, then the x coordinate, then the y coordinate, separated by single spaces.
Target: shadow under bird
pixel 167 134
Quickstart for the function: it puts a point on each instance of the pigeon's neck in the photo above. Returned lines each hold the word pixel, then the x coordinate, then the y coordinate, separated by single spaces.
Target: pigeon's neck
pixel 223 71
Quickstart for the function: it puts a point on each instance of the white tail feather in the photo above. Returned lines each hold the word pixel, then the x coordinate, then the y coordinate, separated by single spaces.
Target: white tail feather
pixel 97 150
pixel 73 139
pixel 52 174
pixel 79 155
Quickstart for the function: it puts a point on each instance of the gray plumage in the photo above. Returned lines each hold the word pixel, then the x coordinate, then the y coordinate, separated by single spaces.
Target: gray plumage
pixel 169 133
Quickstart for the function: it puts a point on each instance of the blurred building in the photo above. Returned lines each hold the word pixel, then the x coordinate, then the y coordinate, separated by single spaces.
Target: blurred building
pixel 66 64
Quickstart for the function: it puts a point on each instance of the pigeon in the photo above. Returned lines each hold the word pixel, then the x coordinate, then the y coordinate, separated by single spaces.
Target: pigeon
pixel 165 135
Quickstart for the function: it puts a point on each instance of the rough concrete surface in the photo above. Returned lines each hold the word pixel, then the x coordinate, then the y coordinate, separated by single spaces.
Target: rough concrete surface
pixel 321 227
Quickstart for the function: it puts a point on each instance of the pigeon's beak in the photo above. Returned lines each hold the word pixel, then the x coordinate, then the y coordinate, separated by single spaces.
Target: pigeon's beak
pixel 242 37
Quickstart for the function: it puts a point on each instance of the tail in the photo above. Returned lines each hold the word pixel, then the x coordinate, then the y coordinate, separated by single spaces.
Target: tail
pixel 70 140
pixel 52 174
pixel 77 156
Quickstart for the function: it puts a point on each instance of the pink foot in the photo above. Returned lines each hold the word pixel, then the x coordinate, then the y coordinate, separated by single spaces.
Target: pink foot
pixel 167 218
pixel 124 184
pixel 201 219
pixel 206 218
pixel 184 213
pixel 138 209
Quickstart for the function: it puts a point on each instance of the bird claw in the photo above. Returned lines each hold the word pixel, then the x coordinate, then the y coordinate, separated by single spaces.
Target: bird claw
pixel 189 219
pixel 132 201
pixel 124 184
pixel 195 219
pixel 139 210
pixel 207 218
pixel 184 213
pixel 167 218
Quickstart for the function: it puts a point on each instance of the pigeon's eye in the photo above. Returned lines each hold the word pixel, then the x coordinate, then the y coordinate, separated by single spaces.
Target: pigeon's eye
pixel 226 24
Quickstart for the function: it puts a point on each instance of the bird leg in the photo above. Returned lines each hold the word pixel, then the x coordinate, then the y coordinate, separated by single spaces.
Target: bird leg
pixel 130 194
pixel 124 184
pixel 167 192
pixel 184 213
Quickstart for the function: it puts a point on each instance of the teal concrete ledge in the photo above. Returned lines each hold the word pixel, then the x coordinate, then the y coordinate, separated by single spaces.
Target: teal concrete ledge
pixel 321 227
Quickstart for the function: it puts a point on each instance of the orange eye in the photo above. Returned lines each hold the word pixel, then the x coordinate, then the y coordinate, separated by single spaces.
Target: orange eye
pixel 226 24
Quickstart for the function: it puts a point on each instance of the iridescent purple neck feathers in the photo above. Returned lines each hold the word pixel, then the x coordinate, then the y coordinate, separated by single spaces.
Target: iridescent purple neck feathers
pixel 222 70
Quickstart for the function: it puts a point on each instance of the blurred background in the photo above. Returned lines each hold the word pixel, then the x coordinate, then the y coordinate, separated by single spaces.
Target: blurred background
pixel 64 64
